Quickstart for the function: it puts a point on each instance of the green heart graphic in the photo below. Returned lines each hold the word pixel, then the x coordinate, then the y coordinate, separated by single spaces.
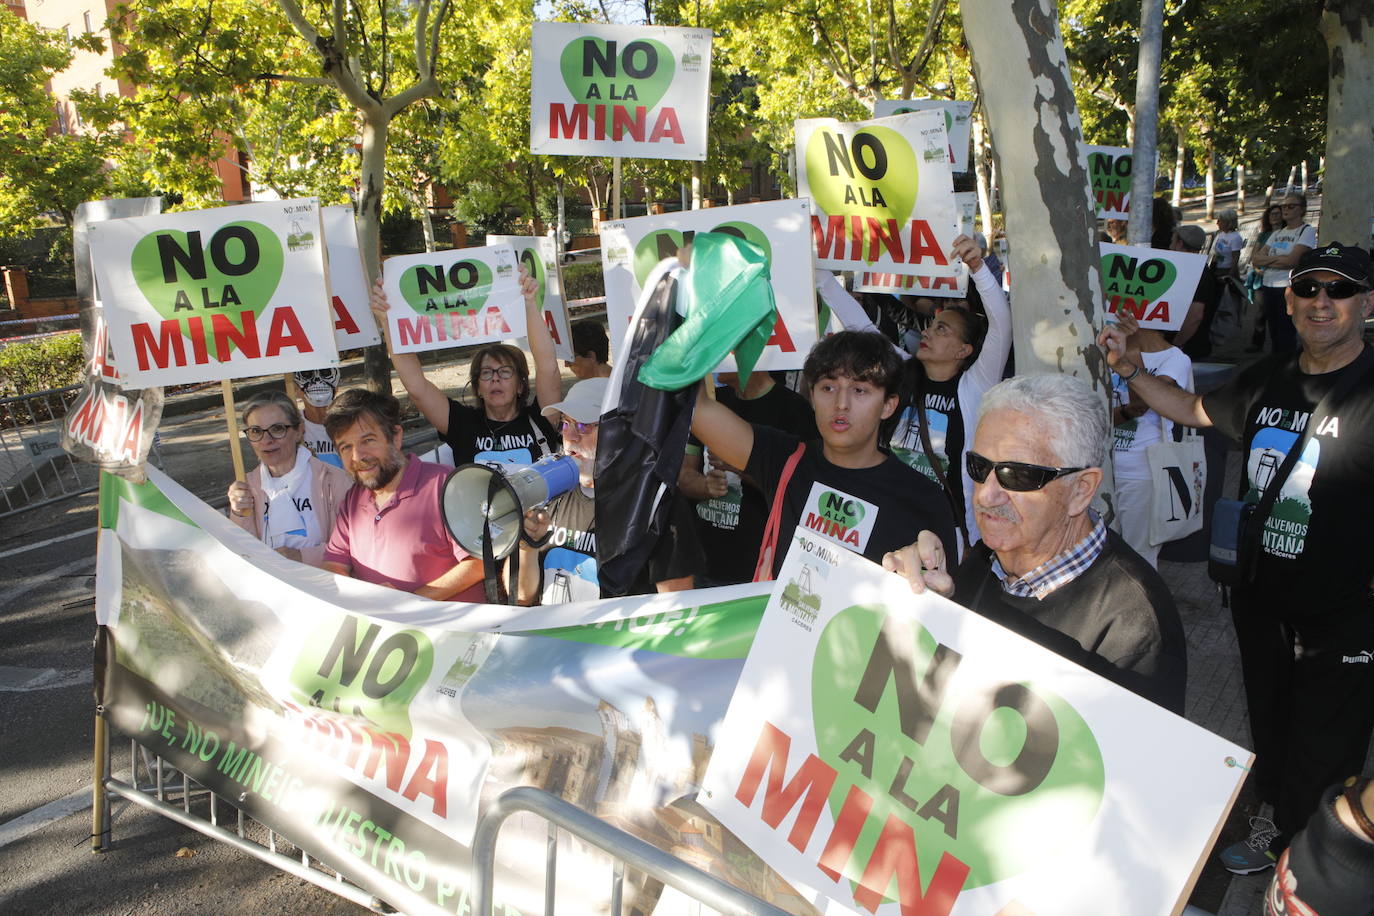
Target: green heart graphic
pixel 750 233
pixel 839 509
pixel 600 72
pixel 664 243
pixel 535 265
pixel 1021 814
pixel 873 174
pixel 235 269
pixel 1137 279
pixel 460 288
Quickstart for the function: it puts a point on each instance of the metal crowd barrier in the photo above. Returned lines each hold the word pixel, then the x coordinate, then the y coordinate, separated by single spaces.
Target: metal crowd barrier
pixel 625 848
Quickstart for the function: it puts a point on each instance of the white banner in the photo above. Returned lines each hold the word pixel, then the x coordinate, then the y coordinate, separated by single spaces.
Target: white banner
pixel 896 753
pixel 453 298
pixel 958 122
pixel 1109 176
pixel 881 193
pixel 619 90
pixel 631 248
pixel 955 287
pixel 540 257
pixel 1156 286
pixel 354 325
pixel 213 294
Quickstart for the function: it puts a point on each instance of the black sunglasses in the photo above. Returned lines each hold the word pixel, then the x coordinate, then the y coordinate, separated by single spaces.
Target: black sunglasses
pixel 1307 288
pixel 1014 475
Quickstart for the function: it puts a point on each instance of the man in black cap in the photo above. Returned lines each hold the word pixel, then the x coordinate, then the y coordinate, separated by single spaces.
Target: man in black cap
pixel 1305 619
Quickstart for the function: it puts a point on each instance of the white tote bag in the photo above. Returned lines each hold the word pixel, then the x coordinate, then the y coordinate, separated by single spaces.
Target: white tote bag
pixel 1178 474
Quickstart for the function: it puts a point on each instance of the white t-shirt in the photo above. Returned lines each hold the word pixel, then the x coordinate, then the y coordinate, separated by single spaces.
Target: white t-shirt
pixel 1132 438
pixel 318 441
pixel 289 519
pixel 1280 243
pixel 1226 248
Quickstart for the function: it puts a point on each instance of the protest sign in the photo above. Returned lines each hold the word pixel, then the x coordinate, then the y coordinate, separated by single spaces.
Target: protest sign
pixel 958 122
pixel 881 193
pixel 920 758
pixel 1109 172
pixel 631 248
pixel 619 90
pixel 453 298
pixel 1154 285
pixel 371 728
pixel 955 287
pixel 354 326
pixel 540 258
pixel 211 295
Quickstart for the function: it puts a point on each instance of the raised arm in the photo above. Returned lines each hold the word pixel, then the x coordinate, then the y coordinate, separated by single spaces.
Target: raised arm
pixel 424 394
pixel 548 382
pixel 722 431
pixel 986 370
pixel 1162 395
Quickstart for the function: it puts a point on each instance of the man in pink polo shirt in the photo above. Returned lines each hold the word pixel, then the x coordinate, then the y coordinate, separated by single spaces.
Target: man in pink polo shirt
pixel 389 529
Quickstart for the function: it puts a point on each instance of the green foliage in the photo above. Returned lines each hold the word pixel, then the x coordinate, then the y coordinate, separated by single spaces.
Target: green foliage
pixel 41 365
pixel 583 280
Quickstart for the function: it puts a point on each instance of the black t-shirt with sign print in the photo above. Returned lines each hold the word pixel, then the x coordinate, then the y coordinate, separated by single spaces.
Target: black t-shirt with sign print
pixel 1316 556
pixel 567 561
pixel 474 437
pixel 945 422
pixel 731 526
pixel 869 510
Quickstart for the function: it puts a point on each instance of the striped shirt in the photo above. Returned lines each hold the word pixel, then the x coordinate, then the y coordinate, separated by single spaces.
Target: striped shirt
pixel 1058 571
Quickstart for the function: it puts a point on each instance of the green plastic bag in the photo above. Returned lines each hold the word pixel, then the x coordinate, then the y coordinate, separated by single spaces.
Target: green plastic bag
pixel 730 307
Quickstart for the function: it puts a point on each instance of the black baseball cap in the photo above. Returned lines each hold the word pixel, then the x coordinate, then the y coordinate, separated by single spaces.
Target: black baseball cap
pixel 1349 261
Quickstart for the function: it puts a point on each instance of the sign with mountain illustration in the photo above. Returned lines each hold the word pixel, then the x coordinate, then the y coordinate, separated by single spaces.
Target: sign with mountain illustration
pixel 539 256
pixel 619 90
pixel 958 122
pixel 207 295
pixel 897 754
pixel 453 298
pixel 934 287
pixel 881 192
pixel 1155 286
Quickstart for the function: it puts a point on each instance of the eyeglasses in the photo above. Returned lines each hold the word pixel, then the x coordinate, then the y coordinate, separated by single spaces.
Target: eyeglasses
pixel 505 373
pixel 1307 288
pixel 1291 206
pixel 1014 475
pixel 276 431
pixel 571 426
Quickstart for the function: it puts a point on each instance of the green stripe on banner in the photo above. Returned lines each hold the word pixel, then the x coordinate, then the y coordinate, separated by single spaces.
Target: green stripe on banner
pixel 715 631
pixel 146 495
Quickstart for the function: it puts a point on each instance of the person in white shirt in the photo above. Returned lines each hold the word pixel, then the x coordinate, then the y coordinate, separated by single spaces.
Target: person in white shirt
pixel 1278 257
pixel 1226 246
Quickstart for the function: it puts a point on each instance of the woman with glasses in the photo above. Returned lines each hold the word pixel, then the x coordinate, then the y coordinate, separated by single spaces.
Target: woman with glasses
pixel 289 501
pixel 1278 257
pixel 505 426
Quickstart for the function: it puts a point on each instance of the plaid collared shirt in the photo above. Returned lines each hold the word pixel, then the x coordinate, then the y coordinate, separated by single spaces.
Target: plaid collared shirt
pixel 1057 571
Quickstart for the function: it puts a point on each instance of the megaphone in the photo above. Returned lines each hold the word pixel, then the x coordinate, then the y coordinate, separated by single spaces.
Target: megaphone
pixel 500 496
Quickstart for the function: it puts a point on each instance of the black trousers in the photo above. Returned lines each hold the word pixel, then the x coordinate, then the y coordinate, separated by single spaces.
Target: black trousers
pixel 1309 688
pixel 1283 337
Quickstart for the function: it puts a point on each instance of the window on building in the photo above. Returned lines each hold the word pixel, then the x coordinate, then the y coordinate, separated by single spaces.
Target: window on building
pixel 86 16
pixel 67 34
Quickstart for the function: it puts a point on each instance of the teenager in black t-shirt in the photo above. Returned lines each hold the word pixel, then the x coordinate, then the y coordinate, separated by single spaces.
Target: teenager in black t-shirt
pixel 504 427
pixel 843 487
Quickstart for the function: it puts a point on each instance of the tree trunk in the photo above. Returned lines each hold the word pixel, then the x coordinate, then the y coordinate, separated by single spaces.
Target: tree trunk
pixel 1240 189
pixel 1292 180
pixel 1211 182
pixel 980 171
pixel 1145 141
pixel 1347 192
pixel 426 216
pixel 1179 157
pixel 376 364
pixel 696 185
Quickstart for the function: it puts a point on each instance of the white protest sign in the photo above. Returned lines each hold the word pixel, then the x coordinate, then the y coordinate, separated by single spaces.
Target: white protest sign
pixel 896 753
pixel 881 192
pixel 619 90
pixel 540 257
pixel 631 248
pixel 354 325
pixel 955 287
pixel 958 122
pixel 453 298
pixel 215 294
pixel 1154 285
pixel 1109 175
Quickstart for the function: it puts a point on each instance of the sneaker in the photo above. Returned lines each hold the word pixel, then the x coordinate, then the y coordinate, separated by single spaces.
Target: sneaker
pixel 1256 852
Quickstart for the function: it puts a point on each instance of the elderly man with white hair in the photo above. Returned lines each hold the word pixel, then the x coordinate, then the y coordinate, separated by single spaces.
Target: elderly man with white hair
pixel 1047 567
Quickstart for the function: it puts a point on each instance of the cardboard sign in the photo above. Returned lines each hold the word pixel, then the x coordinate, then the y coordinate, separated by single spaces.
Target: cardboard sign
pixel 631 248
pixel 1156 286
pixel 215 294
pixel 958 122
pixel 453 298
pixel 540 257
pixel 881 193
pixel 897 753
pixel 619 90
pixel 955 287
pixel 354 325
pixel 1109 173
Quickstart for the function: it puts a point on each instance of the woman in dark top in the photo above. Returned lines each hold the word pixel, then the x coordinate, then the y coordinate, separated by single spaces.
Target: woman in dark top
pixel 505 426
